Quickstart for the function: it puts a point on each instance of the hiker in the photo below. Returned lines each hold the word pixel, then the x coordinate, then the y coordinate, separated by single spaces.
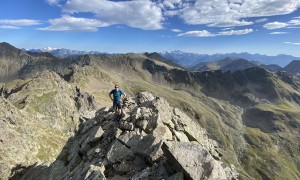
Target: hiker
pixel 117 100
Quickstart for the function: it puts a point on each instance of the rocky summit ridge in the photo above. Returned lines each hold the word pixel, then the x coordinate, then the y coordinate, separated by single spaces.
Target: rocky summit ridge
pixel 152 141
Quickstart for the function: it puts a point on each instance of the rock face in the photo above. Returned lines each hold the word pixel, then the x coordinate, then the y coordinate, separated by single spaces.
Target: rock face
pixel 37 116
pixel 194 160
pixel 163 143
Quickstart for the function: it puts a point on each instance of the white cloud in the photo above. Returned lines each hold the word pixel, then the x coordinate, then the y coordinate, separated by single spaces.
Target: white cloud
pixel 143 14
pixel 69 23
pixel 294 23
pixel 225 29
pixel 172 5
pixel 8 27
pixel 275 25
pixel 293 43
pixel 176 30
pixel 202 33
pixel 235 32
pixel 278 33
pixel 205 33
pixel 150 14
pixel 231 12
pixel 19 22
pixel 230 23
pixel 53 2
pixel 261 20
pixel 293 27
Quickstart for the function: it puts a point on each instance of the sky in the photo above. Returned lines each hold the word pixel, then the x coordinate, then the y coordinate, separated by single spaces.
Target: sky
pixel 267 27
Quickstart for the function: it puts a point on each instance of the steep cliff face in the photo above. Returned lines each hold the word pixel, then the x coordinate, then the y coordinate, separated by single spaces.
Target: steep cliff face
pixel 37 117
pixel 152 141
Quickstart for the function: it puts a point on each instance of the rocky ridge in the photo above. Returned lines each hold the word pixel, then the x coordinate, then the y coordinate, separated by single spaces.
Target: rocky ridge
pixel 37 116
pixel 250 113
pixel 152 141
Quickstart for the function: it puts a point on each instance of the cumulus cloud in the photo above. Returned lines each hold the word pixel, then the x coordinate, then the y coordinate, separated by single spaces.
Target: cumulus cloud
pixel 205 33
pixel 151 14
pixel 278 33
pixel 143 14
pixel 69 23
pixel 293 43
pixel 231 12
pixel 176 30
pixel 19 22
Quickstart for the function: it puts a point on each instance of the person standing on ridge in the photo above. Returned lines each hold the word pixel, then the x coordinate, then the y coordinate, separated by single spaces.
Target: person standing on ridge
pixel 117 100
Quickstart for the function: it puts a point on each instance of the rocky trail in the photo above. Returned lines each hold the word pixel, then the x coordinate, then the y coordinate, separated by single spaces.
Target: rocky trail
pixel 152 141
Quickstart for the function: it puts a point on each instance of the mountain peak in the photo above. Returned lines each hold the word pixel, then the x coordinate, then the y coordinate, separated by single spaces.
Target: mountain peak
pixel 49 49
pixel 192 59
pixel 6 47
pixel 161 58
pixel 293 67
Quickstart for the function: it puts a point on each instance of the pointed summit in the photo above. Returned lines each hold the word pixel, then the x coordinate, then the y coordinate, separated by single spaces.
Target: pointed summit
pixel 293 67
pixel 8 49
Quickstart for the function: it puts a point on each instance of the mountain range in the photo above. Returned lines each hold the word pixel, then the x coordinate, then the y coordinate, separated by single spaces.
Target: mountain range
pixel 56 119
pixel 235 64
pixel 63 53
pixel 186 59
pixel 191 59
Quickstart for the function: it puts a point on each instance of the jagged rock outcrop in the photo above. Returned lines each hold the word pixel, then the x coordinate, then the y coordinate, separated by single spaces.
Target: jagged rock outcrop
pixel 152 141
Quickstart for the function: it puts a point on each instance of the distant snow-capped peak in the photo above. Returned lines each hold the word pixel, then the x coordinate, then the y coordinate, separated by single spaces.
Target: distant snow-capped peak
pixel 49 49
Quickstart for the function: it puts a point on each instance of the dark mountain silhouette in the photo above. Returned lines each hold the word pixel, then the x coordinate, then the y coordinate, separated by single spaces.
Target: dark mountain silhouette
pixel 293 67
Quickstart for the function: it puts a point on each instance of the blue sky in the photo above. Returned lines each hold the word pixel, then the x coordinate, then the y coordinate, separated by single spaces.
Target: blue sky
pixel 268 27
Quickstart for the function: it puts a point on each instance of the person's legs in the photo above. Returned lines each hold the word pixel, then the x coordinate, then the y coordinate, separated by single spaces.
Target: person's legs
pixel 119 108
pixel 115 108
